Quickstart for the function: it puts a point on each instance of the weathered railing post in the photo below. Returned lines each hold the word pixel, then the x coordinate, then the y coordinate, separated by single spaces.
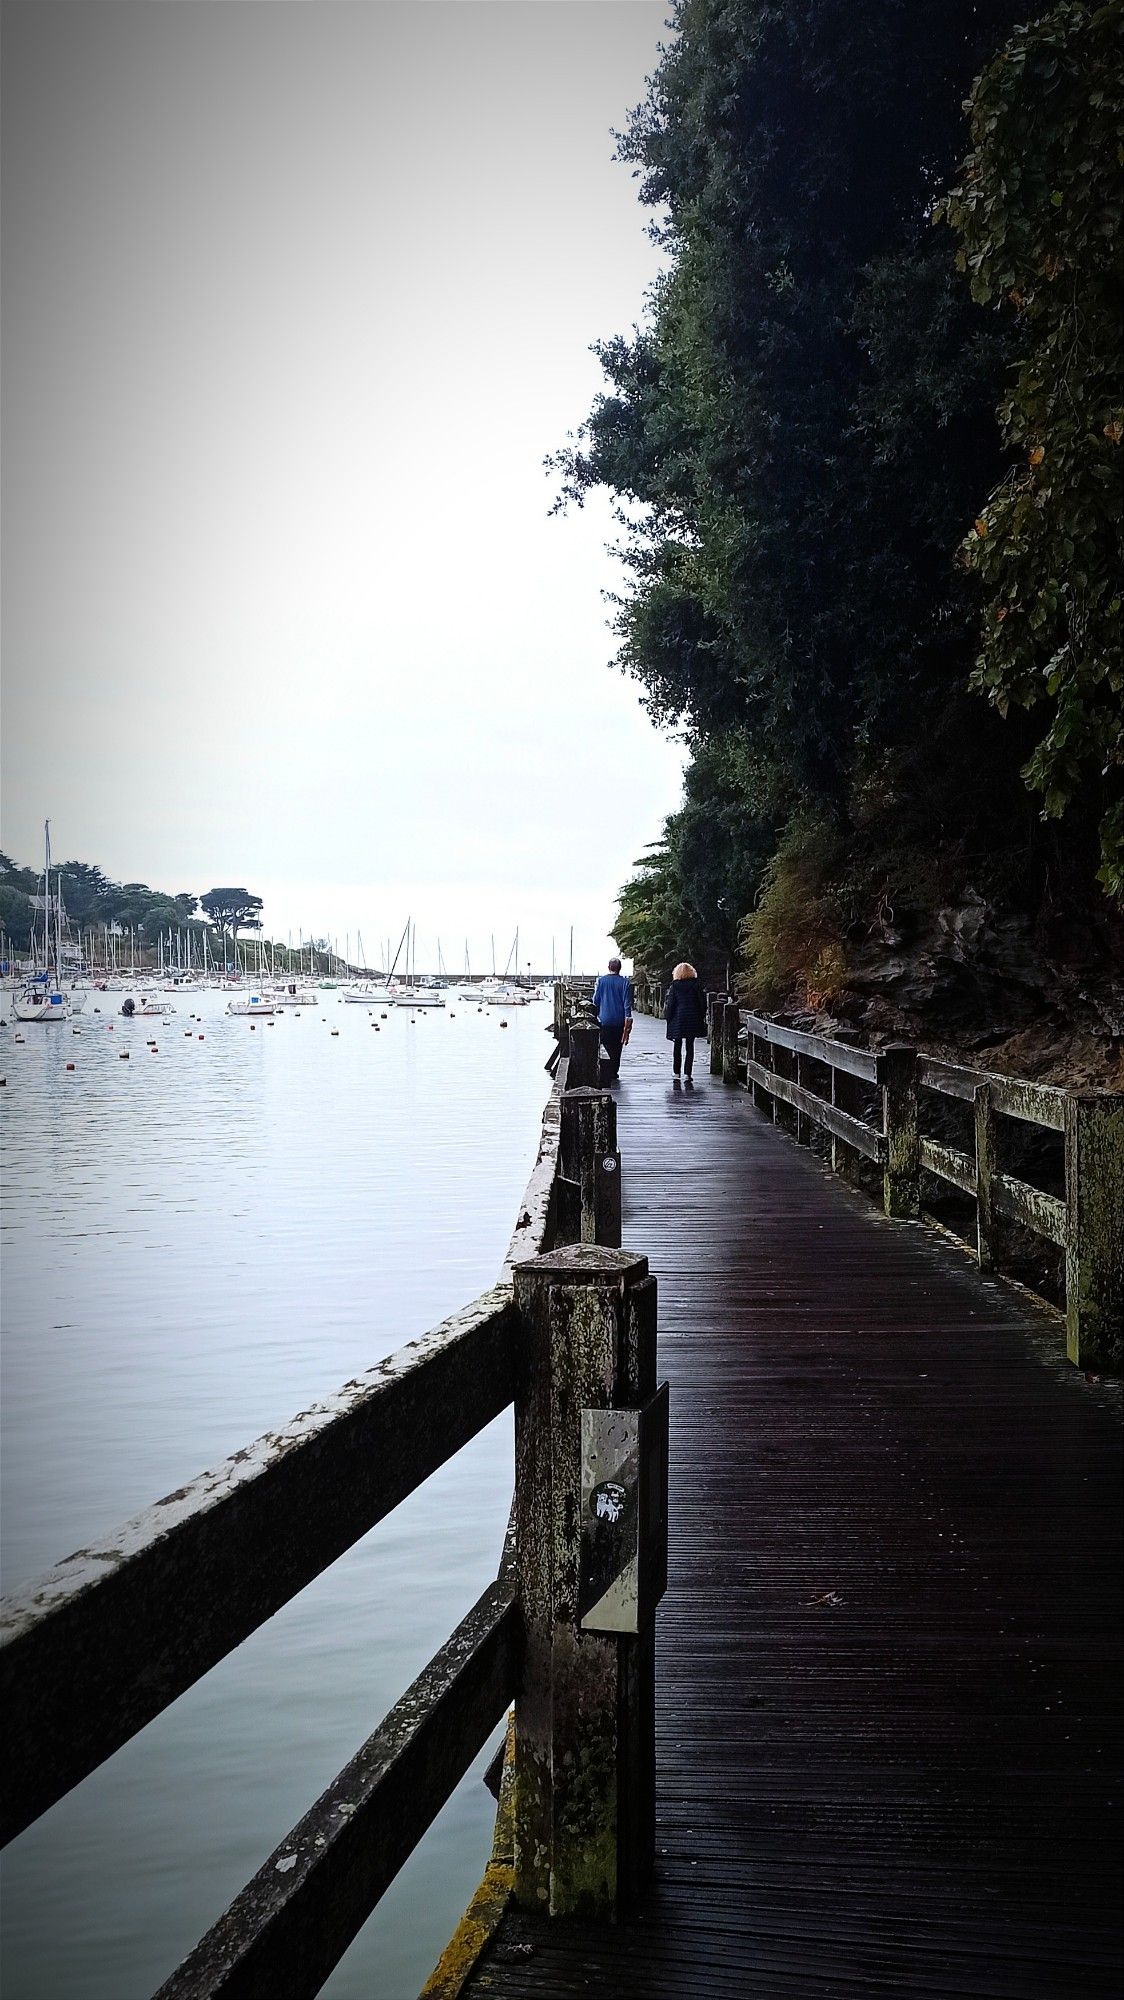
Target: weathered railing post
pixel 585 1048
pixel 901 1181
pixel 589 1157
pixel 844 1159
pixel 983 1110
pixel 715 1002
pixel 1094 1257
pixel 759 1051
pixel 803 1122
pixel 731 1021
pixel 585 1718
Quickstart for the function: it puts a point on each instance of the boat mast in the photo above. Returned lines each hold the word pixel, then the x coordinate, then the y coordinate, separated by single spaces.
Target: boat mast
pixel 58 912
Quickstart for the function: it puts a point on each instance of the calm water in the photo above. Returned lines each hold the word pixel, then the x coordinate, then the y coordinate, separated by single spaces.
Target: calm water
pixel 197 1243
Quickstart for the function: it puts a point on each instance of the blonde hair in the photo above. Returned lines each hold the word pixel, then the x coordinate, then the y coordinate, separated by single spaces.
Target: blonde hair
pixel 684 971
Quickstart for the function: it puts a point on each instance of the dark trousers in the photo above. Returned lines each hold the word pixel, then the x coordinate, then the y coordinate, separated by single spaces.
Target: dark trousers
pixel 611 1041
pixel 680 1044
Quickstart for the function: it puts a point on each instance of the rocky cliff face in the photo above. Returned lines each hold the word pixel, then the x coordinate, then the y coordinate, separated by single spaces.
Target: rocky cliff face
pixel 1043 997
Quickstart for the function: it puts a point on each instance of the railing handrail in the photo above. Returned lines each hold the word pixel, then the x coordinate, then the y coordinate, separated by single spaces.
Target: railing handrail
pixel 1087 1225
pixel 1015 1097
pixel 135 1619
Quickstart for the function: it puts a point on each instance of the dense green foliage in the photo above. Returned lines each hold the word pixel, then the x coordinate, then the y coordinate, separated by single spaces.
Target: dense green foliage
pixel 795 440
pixel 693 885
pixel 1038 210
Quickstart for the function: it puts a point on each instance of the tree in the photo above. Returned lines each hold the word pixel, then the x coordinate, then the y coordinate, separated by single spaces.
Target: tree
pixel 793 440
pixel 694 883
pixel 1038 212
pixel 232 910
pixel 15 916
pixel 788 452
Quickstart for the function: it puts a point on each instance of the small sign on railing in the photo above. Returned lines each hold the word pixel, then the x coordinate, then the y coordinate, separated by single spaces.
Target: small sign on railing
pixel 623 1566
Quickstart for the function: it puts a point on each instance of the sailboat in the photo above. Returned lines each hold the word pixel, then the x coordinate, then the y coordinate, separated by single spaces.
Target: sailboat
pixel 43 997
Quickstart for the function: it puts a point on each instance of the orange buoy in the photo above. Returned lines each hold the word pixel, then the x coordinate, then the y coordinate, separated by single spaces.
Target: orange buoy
pixel 70 1065
pixel 202 1038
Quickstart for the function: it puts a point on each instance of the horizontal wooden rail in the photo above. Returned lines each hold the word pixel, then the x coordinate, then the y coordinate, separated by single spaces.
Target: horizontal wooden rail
pixel 1018 1200
pixel 535 1227
pixel 948 1163
pixel 1014 1097
pixel 1034 1209
pixel 292 1923
pixel 837 1055
pixel 853 1131
pixel 91 1651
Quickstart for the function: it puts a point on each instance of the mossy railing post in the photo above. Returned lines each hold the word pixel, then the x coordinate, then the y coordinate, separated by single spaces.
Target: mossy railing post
pixel 901 1181
pixel 731 1021
pixel 584 1782
pixel 585 1052
pixel 1094 1257
pixel 987 1162
pixel 844 1159
pixel 590 1157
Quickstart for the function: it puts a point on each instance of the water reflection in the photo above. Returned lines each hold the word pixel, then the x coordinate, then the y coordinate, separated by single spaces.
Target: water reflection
pixel 197 1243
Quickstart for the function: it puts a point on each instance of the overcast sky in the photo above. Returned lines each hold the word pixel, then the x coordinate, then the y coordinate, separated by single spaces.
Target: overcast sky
pixel 296 297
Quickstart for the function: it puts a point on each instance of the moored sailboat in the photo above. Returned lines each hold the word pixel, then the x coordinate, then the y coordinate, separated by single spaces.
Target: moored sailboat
pixel 43 996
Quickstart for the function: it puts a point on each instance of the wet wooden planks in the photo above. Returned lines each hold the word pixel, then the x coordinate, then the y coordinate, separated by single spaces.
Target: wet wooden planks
pixel 889 1659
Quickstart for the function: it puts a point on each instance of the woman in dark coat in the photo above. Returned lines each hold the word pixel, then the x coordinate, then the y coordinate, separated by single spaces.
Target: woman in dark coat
pixel 685 1014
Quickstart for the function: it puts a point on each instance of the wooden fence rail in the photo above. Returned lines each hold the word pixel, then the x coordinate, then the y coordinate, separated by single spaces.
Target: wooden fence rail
pixel 95 1649
pixel 805 1081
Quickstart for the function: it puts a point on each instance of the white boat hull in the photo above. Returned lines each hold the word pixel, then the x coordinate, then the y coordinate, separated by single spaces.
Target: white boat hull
pixel 45 1007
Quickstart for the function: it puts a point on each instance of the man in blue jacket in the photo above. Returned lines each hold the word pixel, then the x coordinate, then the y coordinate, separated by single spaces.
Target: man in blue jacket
pixel 612 1004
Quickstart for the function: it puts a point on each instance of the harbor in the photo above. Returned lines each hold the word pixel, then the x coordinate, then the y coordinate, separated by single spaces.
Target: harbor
pixel 198 1242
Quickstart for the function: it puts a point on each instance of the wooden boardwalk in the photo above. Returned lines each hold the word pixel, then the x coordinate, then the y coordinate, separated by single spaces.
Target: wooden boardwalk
pixel 888 1664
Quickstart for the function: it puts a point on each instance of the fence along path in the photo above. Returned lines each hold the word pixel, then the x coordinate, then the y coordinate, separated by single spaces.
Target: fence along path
pixel 888 1663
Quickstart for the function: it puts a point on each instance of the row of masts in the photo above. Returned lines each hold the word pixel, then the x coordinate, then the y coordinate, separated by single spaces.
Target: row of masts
pixel 187 950
pixel 113 951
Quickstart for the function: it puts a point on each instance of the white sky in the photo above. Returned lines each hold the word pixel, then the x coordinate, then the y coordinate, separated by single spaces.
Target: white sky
pixel 296 298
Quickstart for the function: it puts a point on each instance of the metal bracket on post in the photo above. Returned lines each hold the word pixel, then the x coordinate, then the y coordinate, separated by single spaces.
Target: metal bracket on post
pixel 585 1717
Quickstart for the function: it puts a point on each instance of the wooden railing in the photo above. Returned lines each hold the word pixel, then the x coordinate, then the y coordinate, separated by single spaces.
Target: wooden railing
pixel 95 1649
pixel 868 1101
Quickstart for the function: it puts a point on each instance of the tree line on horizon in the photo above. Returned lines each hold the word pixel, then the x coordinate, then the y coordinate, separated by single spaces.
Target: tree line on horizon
pixel 864 453
pixel 94 902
